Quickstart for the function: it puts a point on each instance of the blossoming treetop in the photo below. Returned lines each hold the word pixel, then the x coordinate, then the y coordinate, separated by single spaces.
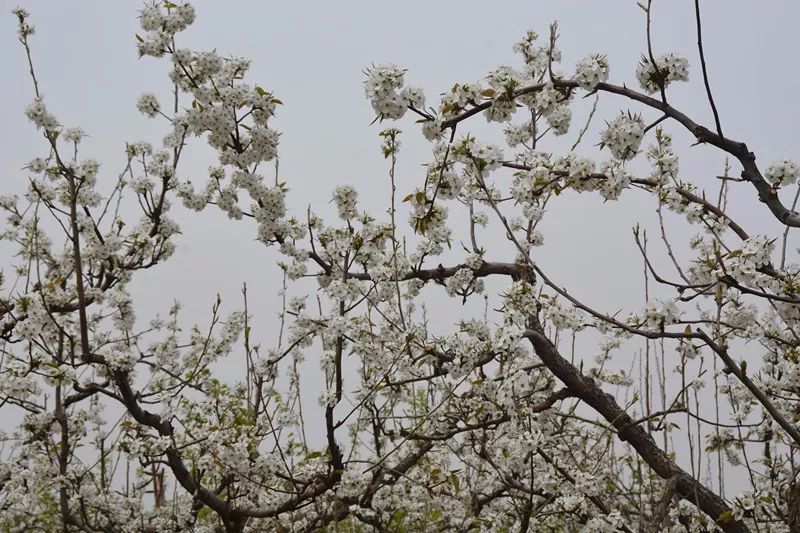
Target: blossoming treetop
pixel 497 425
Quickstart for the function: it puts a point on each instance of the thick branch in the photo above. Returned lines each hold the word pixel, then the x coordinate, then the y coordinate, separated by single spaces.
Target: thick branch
pixel 590 392
pixel 174 459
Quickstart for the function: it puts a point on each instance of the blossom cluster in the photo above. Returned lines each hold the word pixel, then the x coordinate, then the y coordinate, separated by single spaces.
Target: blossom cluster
pixel 591 71
pixel 623 136
pixel 782 173
pixel 666 69
pixel 383 88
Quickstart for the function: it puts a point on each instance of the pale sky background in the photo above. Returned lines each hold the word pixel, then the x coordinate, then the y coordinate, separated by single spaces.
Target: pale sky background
pixel 311 55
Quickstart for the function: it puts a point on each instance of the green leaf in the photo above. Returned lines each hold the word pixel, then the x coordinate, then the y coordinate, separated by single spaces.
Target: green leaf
pixel 725 518
pixel 456 483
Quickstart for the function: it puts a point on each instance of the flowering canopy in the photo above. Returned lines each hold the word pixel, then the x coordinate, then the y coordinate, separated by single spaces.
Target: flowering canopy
pixel 496 425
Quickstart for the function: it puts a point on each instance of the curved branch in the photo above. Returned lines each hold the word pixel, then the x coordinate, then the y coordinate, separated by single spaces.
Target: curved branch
pixel 766 192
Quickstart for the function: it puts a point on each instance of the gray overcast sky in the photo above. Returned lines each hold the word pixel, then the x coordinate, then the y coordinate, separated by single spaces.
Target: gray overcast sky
pixel 311 54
